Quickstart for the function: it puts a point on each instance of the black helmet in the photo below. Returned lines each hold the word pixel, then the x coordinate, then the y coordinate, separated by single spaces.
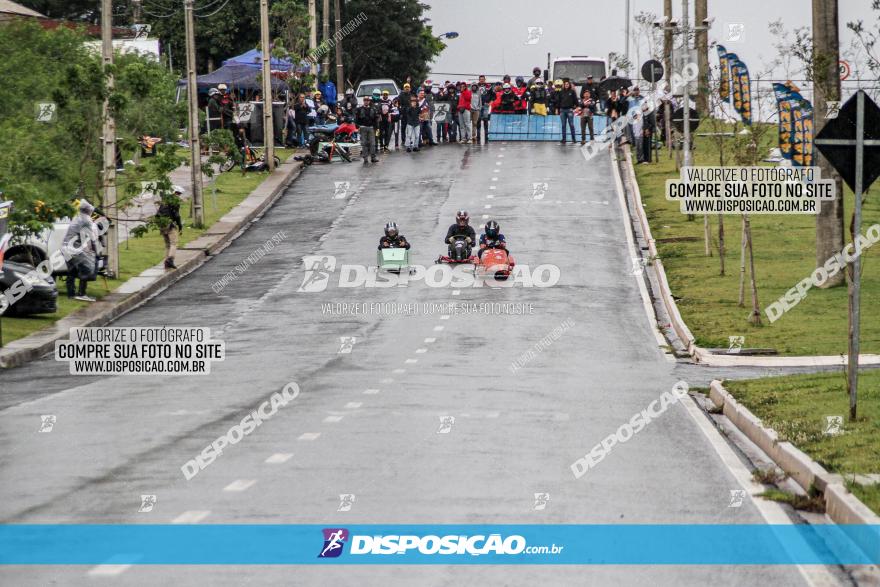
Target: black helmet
pixel 463 215
pixel 391 229
pixel 520 81
pixel 492 229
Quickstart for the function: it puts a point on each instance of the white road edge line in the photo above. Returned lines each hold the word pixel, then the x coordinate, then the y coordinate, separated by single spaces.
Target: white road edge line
pixel 191 517
pixel 771 511
pixel 631 246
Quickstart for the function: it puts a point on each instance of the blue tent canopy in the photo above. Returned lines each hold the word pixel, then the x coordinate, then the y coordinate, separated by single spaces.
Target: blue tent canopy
pixel 237 77
pixel 254 59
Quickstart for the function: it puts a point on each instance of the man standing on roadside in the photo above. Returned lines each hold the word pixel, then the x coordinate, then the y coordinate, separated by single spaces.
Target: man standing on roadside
pixel 79 246
pixel 170 224
pixel 366 118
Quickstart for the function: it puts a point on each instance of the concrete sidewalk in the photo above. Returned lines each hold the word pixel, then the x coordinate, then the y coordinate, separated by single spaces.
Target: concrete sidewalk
pixel 139 289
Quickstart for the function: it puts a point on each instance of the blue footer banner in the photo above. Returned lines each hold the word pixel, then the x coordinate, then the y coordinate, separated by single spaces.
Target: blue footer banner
pixel 252 544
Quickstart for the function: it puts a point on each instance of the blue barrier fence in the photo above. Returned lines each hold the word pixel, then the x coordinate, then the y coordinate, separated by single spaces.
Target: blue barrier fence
pixel 529 127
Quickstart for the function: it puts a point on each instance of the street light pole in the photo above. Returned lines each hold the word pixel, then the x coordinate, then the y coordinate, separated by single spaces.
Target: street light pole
pixel 340 77
pixel 686 92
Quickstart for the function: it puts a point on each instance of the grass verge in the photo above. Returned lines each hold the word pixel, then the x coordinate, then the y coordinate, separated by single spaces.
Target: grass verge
pixel 797 406
pixel 784 247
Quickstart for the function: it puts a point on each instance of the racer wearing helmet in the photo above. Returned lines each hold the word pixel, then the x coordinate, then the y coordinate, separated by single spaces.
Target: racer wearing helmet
pixel 461 227
pixel 522 95
pixel 492 238
pixel 392 238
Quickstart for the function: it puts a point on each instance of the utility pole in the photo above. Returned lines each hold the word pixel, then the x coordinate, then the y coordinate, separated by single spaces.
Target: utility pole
pixel 268 128
pixel 667 67
pixel 340 77
pixel 313 26
pixel 109 138
pixel 826 87
pixel 136 11
pixel 686 92
pixel 626 34
pixel 198 211
pixel 325 67
pixel 701 17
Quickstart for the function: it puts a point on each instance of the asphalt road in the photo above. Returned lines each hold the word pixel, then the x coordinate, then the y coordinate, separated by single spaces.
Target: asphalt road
pixel 366 422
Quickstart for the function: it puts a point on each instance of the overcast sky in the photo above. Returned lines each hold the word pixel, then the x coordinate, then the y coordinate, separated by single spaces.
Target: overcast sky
pixel 493 33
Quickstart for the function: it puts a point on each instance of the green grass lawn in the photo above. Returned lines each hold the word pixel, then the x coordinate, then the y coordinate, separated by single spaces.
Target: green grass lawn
pixel 796 407
pixel 784 247
pixel 139 254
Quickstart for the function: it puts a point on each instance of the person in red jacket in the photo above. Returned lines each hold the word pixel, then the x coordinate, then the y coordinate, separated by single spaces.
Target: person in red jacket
pixel 464 113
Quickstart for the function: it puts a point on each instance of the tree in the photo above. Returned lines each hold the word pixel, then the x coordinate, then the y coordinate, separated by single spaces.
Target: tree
pixel 826 86
pixel 52 162
pixel 395 40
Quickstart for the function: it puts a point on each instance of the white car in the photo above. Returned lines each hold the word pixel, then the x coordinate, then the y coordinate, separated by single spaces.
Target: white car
pixel 366 87
pixel 37 248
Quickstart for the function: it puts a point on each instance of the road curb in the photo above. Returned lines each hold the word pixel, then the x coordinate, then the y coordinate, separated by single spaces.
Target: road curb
pixel 139 289
pixel 841 506
pixel 699 354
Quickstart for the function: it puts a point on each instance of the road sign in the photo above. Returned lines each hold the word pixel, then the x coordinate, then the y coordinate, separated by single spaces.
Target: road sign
pixel 652 70
pixel 441 111
pixel 851 143
pixel 837 141
pixel 845 69
pixel 678 119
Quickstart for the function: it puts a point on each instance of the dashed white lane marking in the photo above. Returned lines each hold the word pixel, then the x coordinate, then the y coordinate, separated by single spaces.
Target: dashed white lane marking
pixel 487 206
pixel 492 187
pixel 387 380
pixel 485 216
pixel 240 485
pixel 438 329
pixel 490 196
pixel 353 405
pixel 279 457
pixel 420 351
pixel 191 517
pixel 411 361
pixel 445 317
pixel 371 391
pixel 430 340
pixel 309 436
pixel 399 371
pixel 494 179
pixel 332 419
pixel 496 171
pixel 108 570
pixel 456 292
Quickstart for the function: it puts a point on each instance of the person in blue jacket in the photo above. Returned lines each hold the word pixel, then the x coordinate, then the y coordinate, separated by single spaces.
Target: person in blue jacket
pixel 328 92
